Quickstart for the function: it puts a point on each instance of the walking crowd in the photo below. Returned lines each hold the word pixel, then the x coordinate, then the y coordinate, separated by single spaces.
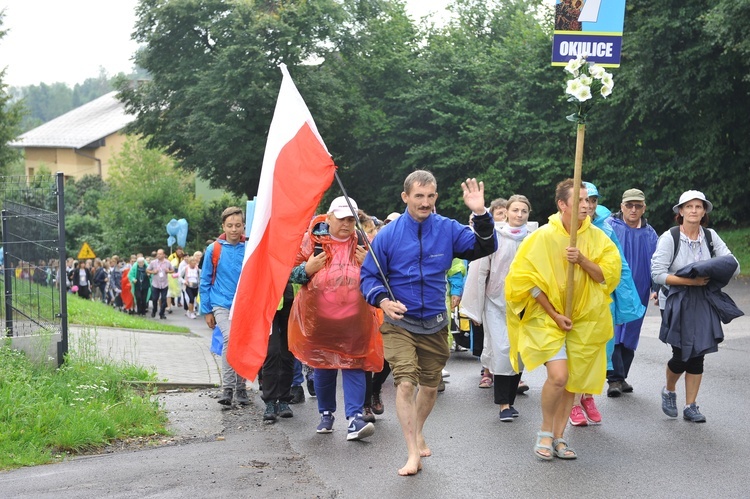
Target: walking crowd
pixel 373 299
pixel 157 282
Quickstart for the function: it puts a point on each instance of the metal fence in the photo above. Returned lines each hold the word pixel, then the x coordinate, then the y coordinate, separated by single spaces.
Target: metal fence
pixel 33 279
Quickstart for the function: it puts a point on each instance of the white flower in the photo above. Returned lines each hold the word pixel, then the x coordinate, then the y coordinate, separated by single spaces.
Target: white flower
pixel 596 71
pixel 585 80
pixel 606 91
pixel 573 86
pixel 607 80
pixel 574 65
pixel 583 93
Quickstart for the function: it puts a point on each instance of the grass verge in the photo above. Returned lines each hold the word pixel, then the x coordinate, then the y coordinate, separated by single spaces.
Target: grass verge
pixel 738 241
pixel 46 414
pixel 92 313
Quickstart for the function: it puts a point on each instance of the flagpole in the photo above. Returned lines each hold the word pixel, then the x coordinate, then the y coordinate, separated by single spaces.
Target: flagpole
pixel 362 233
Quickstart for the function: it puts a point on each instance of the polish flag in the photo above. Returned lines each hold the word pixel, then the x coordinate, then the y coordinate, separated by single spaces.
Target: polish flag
pixel 297 170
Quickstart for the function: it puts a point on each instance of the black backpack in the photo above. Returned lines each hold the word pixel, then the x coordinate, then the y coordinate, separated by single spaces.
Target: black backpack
pixel 675 231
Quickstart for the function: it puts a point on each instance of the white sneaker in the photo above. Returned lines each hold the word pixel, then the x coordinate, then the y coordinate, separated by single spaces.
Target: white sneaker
pixel 446 374
pixel 191 315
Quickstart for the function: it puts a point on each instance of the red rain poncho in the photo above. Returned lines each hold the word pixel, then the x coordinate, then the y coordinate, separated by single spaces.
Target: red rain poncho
pixel 331 326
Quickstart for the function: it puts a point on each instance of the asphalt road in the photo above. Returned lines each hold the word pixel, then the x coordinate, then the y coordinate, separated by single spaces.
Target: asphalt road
pixel 636 451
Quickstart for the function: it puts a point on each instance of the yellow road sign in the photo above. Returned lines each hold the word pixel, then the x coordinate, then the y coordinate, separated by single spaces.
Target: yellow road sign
pixel 86 252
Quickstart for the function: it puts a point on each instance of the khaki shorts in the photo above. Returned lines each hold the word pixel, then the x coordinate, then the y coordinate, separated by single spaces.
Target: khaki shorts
pixel 416 358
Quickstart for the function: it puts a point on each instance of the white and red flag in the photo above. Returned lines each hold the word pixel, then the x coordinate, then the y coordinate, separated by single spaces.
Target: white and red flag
pixel 297 170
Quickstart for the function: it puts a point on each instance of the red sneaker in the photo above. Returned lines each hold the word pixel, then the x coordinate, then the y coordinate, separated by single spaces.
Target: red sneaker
pixel 577 417
pixel 589 407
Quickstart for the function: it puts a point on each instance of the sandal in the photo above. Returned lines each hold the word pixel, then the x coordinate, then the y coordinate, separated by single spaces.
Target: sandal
pixel 538 447
pixel 565 452
pixel 486 382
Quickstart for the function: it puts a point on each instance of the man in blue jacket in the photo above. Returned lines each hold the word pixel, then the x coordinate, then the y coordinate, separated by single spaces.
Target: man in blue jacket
pixel 415 252
pixel 222 265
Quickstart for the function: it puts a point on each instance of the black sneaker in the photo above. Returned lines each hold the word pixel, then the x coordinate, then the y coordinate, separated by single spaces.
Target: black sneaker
pixel 615 389
pixel 240 396
pixel 311 387
pixel 226 396
pixel 284 410
pixel 298 395
pixel 271 412
pixel 506 415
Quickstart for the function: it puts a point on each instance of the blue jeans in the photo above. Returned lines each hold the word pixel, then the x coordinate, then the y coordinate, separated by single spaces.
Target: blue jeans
pixel 354 390
pixel 298 377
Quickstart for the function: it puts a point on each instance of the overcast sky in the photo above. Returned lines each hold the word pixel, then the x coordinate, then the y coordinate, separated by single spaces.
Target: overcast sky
pixel 69 40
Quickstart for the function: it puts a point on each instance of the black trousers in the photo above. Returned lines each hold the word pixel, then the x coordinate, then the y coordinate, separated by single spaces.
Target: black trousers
pixel 159 297
pixel 506 388
pixel 622 358
pixel 141 302
pixel 374 382
pixel 278 368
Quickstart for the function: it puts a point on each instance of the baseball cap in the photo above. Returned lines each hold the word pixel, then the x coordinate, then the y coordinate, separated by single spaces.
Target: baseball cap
pixel 591 189
pixel 633 195
pixel 391 217
pixel 340 208
pixel 688 195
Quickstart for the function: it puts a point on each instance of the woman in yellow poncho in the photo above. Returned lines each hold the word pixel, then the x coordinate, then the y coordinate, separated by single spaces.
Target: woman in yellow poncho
pixel 572 348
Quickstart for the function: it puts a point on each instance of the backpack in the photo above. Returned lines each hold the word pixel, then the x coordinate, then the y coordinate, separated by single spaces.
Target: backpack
pixel 675 231
pixel 216 253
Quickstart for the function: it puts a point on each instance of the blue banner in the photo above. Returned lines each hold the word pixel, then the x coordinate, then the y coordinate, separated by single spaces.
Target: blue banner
pixel 591 27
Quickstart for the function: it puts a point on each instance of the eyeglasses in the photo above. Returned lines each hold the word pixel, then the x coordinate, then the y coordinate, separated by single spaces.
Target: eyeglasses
pixel 631 206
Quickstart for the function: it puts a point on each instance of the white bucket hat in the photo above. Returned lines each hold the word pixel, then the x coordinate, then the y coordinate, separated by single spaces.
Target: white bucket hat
pixel 688 195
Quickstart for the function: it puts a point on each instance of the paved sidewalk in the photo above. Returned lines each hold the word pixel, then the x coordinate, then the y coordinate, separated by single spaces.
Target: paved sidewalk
pixel 176 357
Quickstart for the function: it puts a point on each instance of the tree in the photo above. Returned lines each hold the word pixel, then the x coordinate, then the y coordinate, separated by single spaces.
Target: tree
pixel 82 220
pixel 356 97
pixel 476 97
pixel 215 78
pixel 146 192
pixel 11 114
pixel 678 118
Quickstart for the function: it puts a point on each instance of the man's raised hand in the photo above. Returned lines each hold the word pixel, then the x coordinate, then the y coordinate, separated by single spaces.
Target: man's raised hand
pixel 474 195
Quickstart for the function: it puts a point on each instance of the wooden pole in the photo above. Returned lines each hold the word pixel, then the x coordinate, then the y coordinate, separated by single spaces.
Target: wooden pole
pixel 574 217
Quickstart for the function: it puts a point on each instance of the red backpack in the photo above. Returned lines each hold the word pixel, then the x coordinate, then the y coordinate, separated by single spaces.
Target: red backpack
pixel 217 253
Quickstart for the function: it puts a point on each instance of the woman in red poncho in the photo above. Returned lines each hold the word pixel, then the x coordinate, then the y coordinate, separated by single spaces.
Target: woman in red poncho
pixel 126 295
pixel 331 326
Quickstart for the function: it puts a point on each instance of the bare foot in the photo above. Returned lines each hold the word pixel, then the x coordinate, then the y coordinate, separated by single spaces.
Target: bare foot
pixel 410 468
pixel 424 451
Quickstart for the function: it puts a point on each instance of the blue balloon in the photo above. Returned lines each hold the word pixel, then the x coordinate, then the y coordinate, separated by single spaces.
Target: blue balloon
pixel 170 240
pixel 172 227
pixel 182 230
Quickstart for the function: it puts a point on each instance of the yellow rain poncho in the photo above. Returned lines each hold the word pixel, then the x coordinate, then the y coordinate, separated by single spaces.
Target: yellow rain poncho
pixel 540 262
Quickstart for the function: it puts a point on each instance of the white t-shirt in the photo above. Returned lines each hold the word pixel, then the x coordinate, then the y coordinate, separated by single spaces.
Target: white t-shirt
pixel 192 277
